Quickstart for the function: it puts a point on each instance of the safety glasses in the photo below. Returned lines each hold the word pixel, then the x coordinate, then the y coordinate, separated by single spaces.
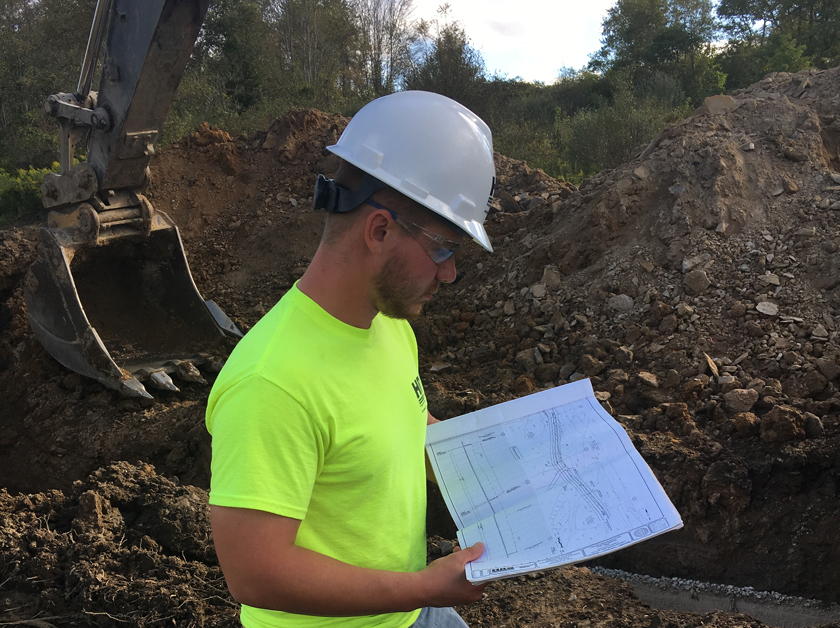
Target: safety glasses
pixel 436 246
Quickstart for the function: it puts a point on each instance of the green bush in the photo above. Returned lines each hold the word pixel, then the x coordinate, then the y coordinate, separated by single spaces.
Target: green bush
pixel 745 63
pixel 528 142
pixel 200 101
pixel 594 139
pixel 660 87
pixel 20 193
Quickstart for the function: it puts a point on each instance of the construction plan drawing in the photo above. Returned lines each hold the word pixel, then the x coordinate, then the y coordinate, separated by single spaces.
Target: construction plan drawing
pixel 543 481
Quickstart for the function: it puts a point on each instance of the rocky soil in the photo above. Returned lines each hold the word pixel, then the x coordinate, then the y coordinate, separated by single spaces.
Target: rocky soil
pixel 696 286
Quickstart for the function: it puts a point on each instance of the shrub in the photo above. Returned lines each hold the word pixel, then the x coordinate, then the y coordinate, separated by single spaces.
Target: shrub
pixel 594 139
pixel 20 193
pixel 660 87
pixel 526 141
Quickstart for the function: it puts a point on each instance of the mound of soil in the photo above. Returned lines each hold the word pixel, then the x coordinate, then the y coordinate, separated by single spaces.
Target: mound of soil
pixel 127 546
pixel 124 546
pixel 696 286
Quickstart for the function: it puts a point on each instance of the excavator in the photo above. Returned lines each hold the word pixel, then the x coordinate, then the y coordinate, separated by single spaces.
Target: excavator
pixel 110 294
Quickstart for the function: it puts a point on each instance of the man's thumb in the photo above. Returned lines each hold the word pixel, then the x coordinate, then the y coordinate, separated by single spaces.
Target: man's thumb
pixel 473 552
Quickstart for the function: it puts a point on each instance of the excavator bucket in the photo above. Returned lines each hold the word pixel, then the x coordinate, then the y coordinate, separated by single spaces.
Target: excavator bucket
pixel 120 309
pixel 110 295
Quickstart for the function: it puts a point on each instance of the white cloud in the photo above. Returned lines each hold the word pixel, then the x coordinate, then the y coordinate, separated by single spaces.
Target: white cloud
pixel 506 29
pixel 531 39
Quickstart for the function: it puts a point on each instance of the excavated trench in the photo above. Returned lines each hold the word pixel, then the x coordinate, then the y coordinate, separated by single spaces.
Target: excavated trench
pixel 689 596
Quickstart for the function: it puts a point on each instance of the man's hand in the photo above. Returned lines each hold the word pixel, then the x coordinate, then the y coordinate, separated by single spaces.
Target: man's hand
pixel 449 577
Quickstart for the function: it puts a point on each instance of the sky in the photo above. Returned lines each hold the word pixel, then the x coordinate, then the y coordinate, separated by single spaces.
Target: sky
pixel 529 39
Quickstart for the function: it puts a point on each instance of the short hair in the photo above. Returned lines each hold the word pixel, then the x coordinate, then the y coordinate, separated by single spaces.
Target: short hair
pixel 351 177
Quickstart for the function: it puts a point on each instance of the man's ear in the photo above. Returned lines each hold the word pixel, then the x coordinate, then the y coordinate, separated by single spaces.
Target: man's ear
pixel 379 232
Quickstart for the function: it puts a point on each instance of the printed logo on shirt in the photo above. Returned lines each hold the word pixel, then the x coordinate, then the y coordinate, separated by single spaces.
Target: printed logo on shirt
pixel 418 390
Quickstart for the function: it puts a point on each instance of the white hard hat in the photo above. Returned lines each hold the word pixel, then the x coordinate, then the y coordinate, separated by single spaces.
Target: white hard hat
pixel 430 148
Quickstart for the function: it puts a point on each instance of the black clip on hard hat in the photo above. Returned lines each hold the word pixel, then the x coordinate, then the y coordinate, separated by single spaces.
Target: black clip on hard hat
pixel 334 197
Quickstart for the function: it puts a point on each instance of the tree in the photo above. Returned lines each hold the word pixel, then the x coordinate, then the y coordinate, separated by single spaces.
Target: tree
pixel 794 30
pixel 315 43
pixel 695 17
pixel 445 62
pixel 628 32
pixel 41 46
pixel 385 41
pixel 747 62
pixel 778 36
pixel 813 24
pixel 606 137
pixel 641 37
pixel 749 21
pixel 231 52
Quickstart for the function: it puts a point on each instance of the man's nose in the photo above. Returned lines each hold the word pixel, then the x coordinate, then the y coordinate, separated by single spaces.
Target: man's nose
pixel 446 271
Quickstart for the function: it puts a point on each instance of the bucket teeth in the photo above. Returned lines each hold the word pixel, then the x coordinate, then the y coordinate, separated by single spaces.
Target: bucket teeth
pixel 133 388
pixel 162 381
pixel 189 373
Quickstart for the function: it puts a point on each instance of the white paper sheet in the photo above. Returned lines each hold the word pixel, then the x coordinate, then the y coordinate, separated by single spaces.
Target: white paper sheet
pixel 545 480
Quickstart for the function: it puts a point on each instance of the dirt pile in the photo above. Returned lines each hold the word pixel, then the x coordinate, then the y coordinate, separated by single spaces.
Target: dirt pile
pixel 696 286
pixel 125 546
pixel 740 162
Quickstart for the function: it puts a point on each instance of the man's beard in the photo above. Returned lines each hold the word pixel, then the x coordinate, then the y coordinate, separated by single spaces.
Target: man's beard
pixel 394 295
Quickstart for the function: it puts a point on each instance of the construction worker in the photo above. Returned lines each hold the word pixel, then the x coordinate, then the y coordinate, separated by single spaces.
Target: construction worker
pixel 318 419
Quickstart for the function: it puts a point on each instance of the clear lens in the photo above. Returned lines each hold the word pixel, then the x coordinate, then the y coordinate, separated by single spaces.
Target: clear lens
pixel 436 246
pixel 439 254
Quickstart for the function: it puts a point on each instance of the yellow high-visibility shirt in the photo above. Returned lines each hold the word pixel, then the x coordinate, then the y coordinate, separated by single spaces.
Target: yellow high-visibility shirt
pixel 324 422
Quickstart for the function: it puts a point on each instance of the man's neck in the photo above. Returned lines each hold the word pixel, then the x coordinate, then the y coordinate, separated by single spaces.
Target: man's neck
pixel 342 291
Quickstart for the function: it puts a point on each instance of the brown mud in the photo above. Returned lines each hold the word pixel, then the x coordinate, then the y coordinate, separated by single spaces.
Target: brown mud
pixel 697 286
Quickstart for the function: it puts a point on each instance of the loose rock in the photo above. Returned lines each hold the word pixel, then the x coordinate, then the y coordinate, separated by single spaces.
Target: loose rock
pixel 747 424
pixel 782 424
pixel 741 399
pixel 767 308
pixel 648 379
pixel 697 281
pixel 620 303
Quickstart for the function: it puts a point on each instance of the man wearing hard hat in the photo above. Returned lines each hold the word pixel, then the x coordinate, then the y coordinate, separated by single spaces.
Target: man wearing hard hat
pixel 318 419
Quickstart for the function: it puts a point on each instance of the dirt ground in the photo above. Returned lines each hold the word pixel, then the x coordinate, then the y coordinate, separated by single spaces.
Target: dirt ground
pixel 696 286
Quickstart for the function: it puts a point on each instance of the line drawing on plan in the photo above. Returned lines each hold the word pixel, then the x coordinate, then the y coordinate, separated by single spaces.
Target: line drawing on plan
pixel 553 483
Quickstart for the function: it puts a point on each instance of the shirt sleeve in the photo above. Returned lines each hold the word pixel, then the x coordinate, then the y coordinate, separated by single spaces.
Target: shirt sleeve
pixel 267 450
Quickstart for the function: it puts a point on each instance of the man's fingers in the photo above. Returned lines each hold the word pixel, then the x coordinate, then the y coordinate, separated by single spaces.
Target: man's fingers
pixel 474 551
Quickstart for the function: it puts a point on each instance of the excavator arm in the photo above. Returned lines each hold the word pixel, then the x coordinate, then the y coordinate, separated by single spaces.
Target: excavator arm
pixel 110 294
